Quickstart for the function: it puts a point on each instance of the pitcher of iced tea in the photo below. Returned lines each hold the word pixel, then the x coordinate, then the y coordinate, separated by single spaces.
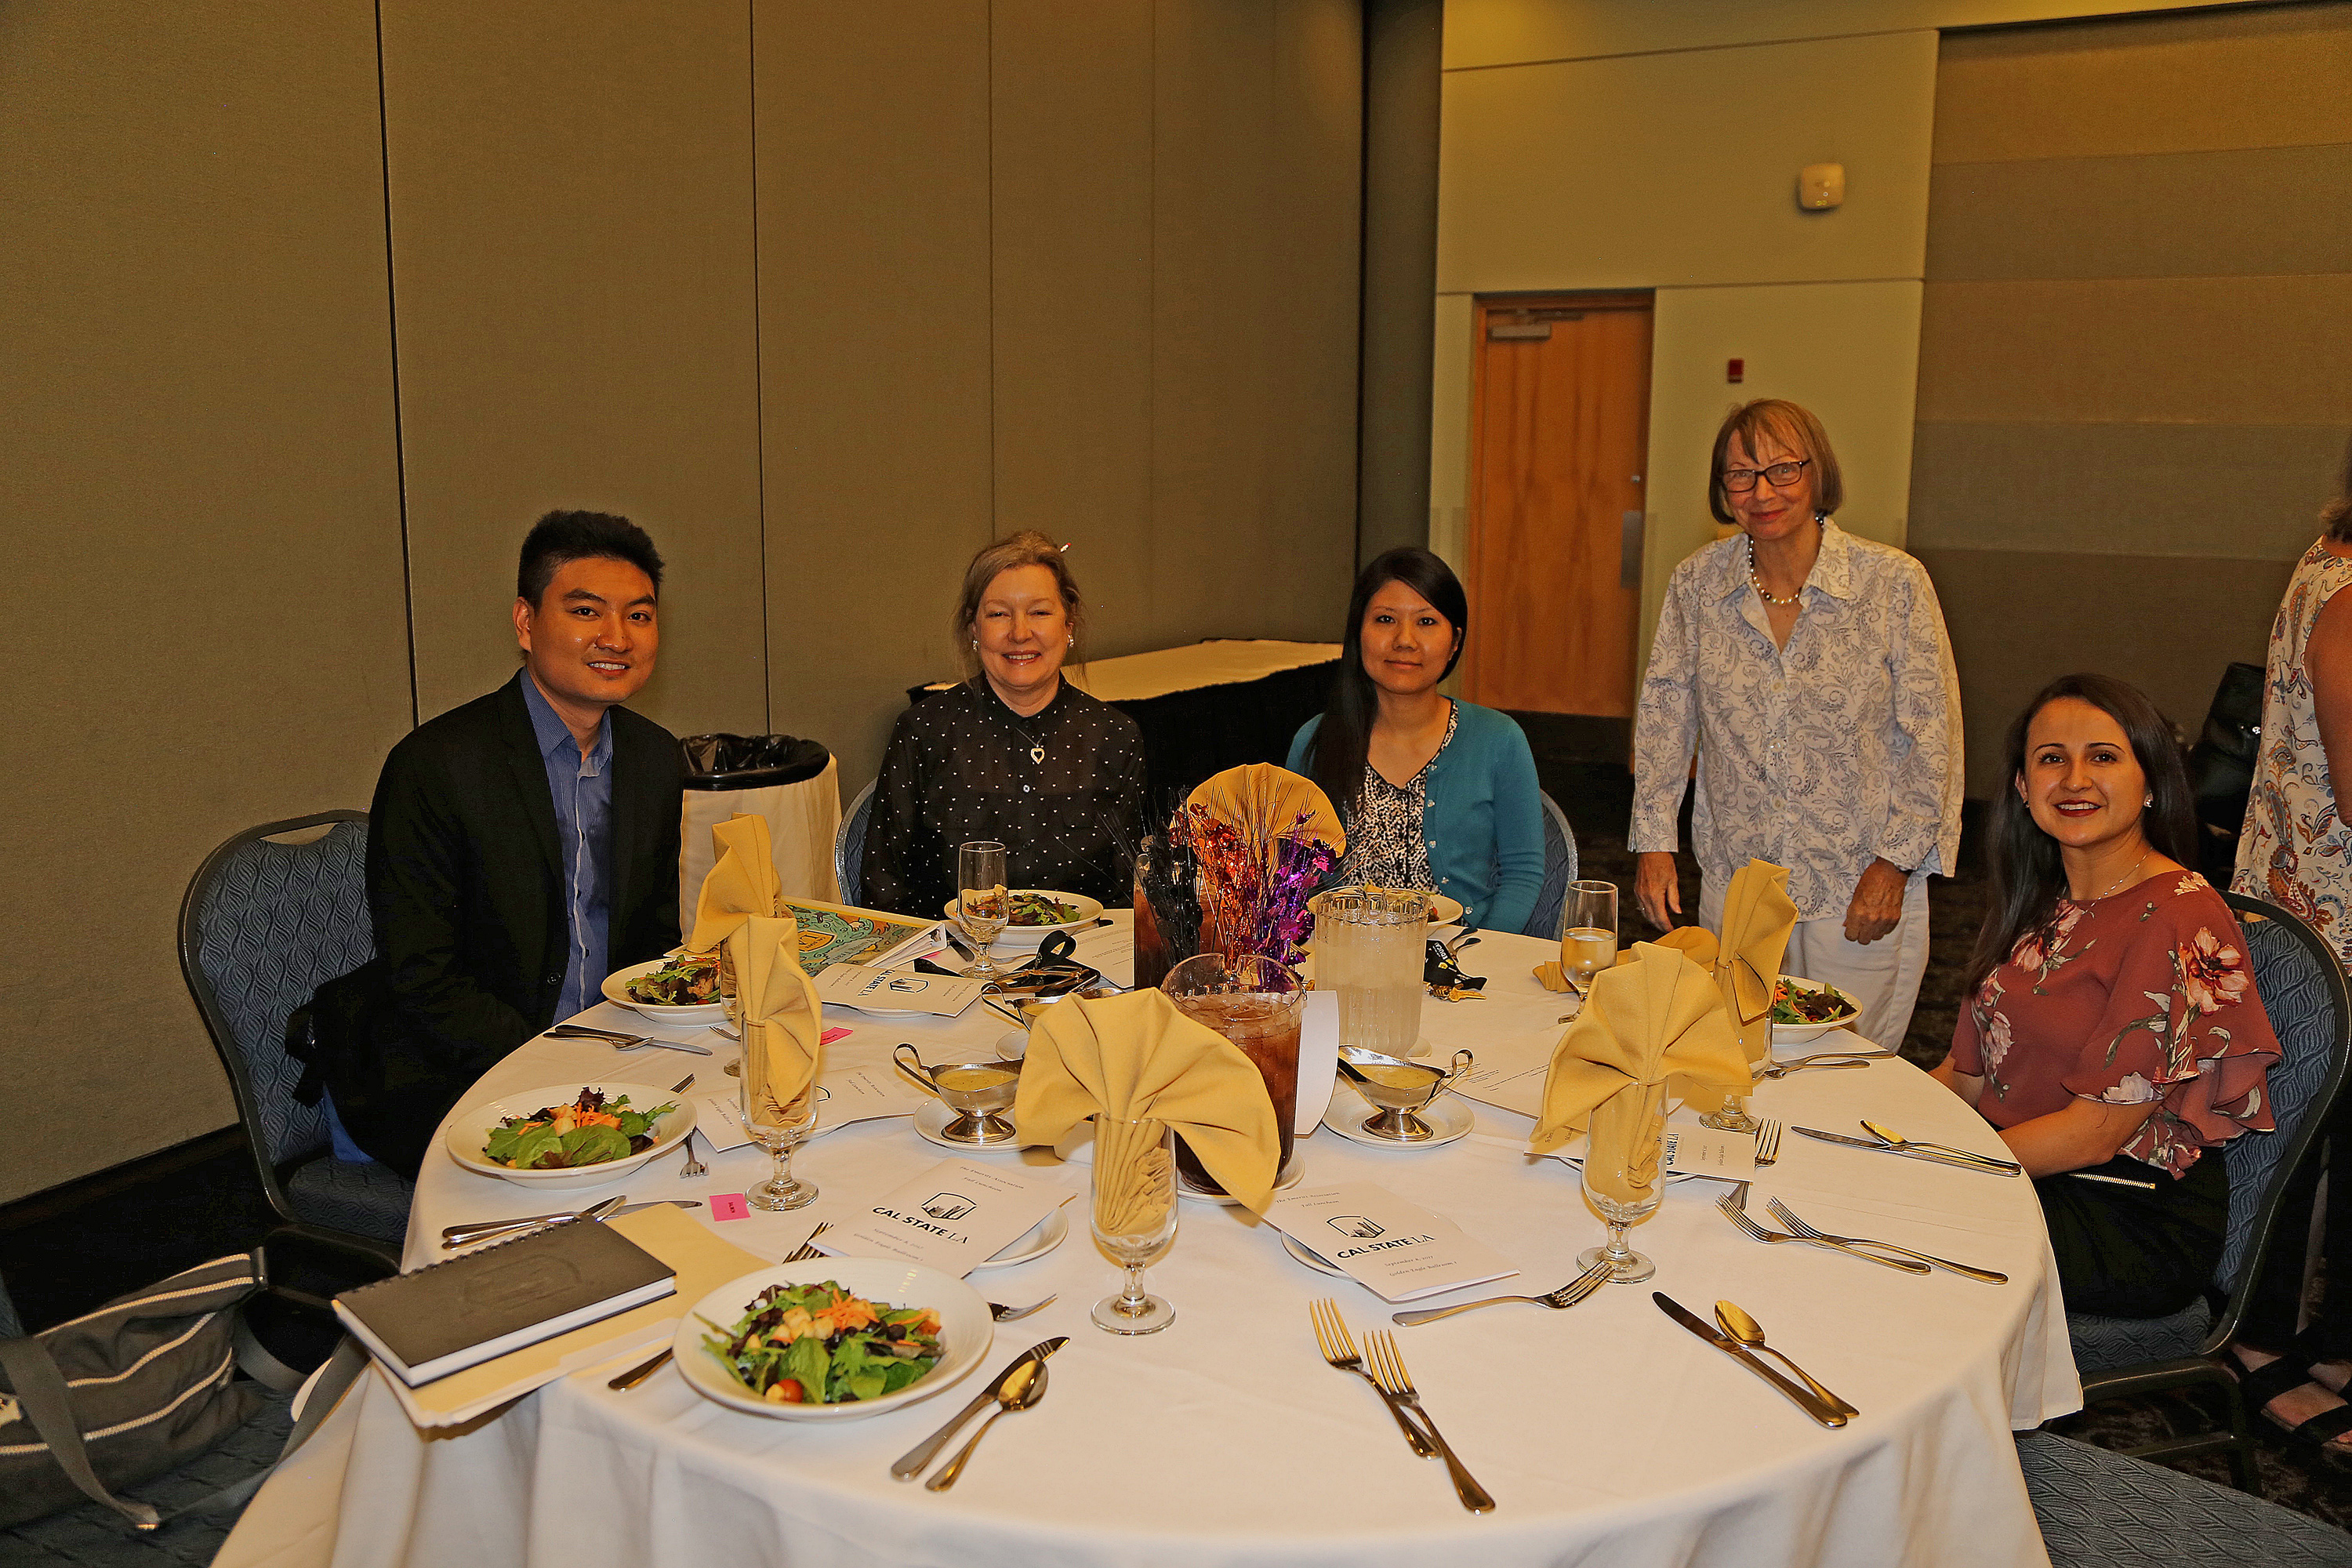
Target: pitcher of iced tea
pixel 1257 1003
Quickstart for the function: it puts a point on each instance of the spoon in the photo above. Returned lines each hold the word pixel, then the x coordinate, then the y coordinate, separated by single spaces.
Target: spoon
pixel 1893 1142
pixel 1022 1390
pixel 1749 1333
pixel 1783 1070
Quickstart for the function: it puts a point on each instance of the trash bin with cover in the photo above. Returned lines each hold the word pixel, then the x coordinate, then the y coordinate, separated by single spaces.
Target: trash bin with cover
pixel 795 783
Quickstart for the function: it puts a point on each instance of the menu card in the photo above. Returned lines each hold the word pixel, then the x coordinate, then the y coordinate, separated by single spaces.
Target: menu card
pixel 1398 1250
pixel 1691 1151
pixel 954 1216
pixel 1510 1071
pixel 897 990
pixel 843 1095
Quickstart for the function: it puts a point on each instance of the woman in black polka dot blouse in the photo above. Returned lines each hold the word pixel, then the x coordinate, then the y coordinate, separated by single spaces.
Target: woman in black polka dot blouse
pixel 1014 753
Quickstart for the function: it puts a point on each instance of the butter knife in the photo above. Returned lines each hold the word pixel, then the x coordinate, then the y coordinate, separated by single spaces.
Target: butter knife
pixel 910 1464
pixel 1821 1410
pixel 1989 1166
pixel 465 1234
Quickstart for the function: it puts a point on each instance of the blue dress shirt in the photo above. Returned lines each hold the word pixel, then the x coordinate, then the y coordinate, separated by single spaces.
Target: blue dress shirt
pixel 581 786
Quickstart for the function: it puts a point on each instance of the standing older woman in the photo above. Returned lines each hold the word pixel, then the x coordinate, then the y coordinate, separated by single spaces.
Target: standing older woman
pixel 1014 753
pixel 1433 792
pixel 2111 1031
pixel 1811 671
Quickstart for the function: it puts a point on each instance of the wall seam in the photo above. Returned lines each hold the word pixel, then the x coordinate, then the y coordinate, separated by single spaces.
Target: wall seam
pixel 758 367
pixel 392 329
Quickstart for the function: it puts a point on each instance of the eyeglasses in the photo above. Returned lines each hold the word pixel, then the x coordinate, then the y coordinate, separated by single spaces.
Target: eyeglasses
pixel 1782 475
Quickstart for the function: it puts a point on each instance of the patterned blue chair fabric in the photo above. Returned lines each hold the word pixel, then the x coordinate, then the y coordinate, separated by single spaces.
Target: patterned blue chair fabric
pixel 849 845
pixel 2102 1510
pixel 265 925
pixel 1560 871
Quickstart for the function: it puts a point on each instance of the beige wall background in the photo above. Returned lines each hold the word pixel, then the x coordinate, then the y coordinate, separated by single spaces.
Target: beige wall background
pixel 825 296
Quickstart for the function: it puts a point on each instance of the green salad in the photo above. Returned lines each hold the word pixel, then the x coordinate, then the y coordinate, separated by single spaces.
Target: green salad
pixel 1038 910
pixel 1797 1005
pixel 818 1344
pixel 590 1131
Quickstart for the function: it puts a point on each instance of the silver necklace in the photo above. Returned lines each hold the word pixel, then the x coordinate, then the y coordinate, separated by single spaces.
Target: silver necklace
pixel 2119 881
pixel 1036 746
pixel 1761 592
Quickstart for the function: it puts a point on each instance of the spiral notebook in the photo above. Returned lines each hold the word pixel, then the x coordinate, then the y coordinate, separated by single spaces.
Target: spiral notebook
pixel 448 1316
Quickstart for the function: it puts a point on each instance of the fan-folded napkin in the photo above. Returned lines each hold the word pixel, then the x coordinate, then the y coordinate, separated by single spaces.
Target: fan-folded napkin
pixel 1656 1017
pixel 1135 1056
pixel 742 881
pixel 1758 916
pixel 784 1022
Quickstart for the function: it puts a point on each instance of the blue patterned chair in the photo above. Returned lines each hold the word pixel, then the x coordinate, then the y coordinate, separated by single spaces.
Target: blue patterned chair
pixel 1560 871
pixel 2102 1510
pixel 264 924
pixel 2303 989
pixel 849 845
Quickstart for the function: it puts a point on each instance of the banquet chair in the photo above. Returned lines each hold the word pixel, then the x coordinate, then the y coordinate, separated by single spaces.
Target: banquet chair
pixel 270 916
pixel 2303 989
pixel 1560 871
pixel 2103 1509
pixel 849 845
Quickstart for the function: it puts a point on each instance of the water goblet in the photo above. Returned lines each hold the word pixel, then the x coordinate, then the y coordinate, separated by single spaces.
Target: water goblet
pixel 1588 931
pixel 778 1123
pixel 1134 1216
pixel 981 906
pixel 1624 1152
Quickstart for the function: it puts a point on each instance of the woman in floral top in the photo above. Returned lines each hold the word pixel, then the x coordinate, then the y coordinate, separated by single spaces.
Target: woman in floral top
pixel 2112 1032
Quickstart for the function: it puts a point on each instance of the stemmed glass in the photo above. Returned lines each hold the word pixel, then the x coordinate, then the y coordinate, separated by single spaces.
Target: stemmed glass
pixel 982 907
pixel 1135 1217
pixel 779 1126
pixel 1588 931
pixel 1622 1152
pixel 1733 1116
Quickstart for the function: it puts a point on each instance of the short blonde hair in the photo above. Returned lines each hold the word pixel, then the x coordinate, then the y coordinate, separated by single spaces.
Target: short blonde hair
pixel 1026 548
pixel 1793 426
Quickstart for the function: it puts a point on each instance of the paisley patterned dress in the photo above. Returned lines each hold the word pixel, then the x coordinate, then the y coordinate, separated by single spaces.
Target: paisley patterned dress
pixel 2295 849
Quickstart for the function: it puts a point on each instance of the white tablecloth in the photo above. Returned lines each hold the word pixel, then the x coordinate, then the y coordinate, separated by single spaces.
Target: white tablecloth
pixel 1606 1434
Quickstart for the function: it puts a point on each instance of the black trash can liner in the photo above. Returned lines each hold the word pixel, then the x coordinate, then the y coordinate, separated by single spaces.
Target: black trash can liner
pixel 750 762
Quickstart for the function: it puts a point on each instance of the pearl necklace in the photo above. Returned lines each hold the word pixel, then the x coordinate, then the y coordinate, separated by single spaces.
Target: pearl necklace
pixel 1761 592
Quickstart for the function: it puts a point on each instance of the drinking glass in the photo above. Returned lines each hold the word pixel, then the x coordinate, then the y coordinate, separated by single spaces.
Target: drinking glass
pixel 1733 1116
pixel 1135 1217
pixel 1370 945
pixel 1588 931
pixel 1622 1186
pixel 1257 1005
pixel 779 1128
pixel 981 904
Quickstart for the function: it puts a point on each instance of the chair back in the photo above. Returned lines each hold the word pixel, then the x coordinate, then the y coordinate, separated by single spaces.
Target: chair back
pixel 2303 989
pixel 1560 871
pixel 264 924
pixel 849 846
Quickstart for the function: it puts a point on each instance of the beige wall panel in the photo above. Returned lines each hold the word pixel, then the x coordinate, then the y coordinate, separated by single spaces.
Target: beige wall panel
pixel 1680 168
pixel 2255 351
pixel 1846 350
pixel 1452 374
pixel 2242 212
pixel 2243 491
pixel 2019 620
pixel 874 312
pixel 573 261
pixel 1501 32
pixel 197 472
pixel 1253 368
pixel 2275 77
pixel 1071 223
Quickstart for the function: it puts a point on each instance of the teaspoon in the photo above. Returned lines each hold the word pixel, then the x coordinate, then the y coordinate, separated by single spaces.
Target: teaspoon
pixel 1022 1390
pixel 1749 1333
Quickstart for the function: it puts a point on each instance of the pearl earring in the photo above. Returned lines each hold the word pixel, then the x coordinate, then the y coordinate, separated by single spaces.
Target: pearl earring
pixel 2148 802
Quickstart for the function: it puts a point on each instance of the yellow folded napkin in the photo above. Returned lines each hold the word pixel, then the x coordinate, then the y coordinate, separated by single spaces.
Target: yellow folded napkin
pixel 1758 916
pixel 1265 803
pixel 1136 1055
pixel 742 881
pixel 784 1022
pixel 1656 1017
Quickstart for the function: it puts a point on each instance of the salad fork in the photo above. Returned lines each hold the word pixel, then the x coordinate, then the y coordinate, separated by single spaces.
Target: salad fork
pixel 1781 1212
pixel 1331 1338
pixel 808 1248
pixel 1390 1375
pixel 1567 1296
pixel 1749 1227
pixel 1768 1143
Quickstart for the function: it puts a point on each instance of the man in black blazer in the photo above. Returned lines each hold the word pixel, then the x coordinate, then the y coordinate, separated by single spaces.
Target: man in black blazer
pixel 520 847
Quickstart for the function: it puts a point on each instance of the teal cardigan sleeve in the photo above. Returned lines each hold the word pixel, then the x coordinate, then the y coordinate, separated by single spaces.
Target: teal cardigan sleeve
pixel 1485 811
pixel 1299 745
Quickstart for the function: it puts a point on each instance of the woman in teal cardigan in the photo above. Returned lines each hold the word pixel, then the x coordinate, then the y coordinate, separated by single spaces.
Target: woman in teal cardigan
pixel 1433 792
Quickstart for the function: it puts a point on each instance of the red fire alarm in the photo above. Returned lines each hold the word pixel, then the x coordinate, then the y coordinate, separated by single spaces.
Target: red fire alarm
pixel 1735 371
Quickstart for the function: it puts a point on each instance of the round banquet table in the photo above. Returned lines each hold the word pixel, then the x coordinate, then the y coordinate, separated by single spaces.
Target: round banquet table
pixel 1605 1433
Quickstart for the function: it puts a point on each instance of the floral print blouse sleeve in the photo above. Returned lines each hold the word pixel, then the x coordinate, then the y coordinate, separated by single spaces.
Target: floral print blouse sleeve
pixel 2147 996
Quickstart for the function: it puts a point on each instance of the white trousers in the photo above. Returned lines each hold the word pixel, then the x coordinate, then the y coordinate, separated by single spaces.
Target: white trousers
pixel 1883 977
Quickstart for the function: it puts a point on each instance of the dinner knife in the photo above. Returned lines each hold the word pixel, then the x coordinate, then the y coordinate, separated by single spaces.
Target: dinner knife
pixel 465 1234
pixel 911 1463
pixel 1977 1162
pixel 1821 1410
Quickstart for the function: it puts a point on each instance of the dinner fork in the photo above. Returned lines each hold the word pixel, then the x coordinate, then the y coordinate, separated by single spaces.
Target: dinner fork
pixel 1389 1374
pixel 1749 1227
pixel 1781 1212
pixel 1768 1143
pixel 1339 1347
pixel 808 1248
pixel 1567 1296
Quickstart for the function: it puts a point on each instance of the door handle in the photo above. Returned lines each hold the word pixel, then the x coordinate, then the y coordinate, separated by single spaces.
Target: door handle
pixel 1629 552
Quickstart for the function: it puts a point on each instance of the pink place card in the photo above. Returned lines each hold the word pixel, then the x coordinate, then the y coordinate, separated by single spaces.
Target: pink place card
pixel 729 1205
pixel 831 1034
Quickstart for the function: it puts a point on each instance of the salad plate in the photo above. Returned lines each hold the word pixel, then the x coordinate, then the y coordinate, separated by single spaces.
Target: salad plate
pixel 1449 1117
pixel 966 1332
pixel 1036 1242
pixel 1089 911
pixel 616 991
pixel 1801 1033
pixel 471 1129
pixel 1316 1264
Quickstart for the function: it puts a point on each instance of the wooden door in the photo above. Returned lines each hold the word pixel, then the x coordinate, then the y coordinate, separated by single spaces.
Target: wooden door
pixel 1560 418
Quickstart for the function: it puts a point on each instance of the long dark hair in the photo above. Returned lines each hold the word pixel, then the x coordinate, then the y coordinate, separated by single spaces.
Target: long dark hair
pixel 2028 874
pixel 1345 737
pixel 2336 518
